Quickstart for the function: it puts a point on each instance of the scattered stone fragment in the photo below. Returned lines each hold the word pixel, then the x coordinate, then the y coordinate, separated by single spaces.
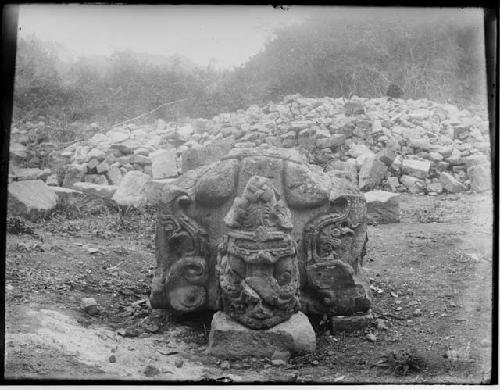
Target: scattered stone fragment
pixel 480 178
pixel 89 305
pixel 164 164
pixel 416 168
pixel 179 362
pixel 100 190
pixel 131 191
pixel 151 371
pixel 450 184
pixel 112 359
pixel 30 198
pixel 371 337
pixel 382 207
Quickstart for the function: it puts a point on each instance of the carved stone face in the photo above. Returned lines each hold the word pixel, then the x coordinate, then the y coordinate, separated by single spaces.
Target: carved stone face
pixel 259 277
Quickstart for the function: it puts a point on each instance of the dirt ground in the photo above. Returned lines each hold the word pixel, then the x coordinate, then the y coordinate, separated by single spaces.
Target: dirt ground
pixel 431 281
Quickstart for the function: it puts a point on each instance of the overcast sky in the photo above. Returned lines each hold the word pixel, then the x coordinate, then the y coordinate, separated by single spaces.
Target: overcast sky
pixel 228 34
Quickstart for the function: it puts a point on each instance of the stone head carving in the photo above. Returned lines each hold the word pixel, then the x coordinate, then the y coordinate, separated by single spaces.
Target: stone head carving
pixel 258 272
pixel 261 234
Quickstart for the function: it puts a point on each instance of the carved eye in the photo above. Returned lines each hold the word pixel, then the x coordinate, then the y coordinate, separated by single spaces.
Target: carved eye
pixel 193 272
pixel 284 278
pixel 237 266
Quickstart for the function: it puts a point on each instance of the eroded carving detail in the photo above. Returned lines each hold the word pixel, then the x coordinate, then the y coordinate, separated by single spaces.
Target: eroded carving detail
pixel 183 249
pixel 331 246
pixel 257 263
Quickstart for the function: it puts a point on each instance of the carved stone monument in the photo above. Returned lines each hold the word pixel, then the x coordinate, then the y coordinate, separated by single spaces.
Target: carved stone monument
pixel 262 237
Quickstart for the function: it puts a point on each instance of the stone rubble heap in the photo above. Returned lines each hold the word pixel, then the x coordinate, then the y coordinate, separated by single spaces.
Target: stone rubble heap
pixel 397 145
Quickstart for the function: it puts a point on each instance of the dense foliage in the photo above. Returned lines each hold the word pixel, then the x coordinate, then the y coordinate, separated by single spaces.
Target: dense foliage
pixel 322 56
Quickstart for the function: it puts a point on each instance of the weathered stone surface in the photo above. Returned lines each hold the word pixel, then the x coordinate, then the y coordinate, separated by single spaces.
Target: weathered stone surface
pixel 30 198
pixel 66 193
pixel 98 154
pixel 475 159
pixel 246 236
pixel 114 175
pixel 96 179
pixel 26 173
pixel 333 141
pixel 164 164
pixel 131 191
pixel 102 167
pixel 116 135
pixel 74 174
pixel 217 184
pixel 480 178
pixel 142 160
pixel 100 190
pixel 387 156
pixel 416 168
pixel 17 152
pixel 435 187
pixel 154 190
pixel 382 207
pixel 303 187
pixel 126 147
pixel 413 184
pixel 229 339
pixel 194 158
pixel 450 184
pixel 393 183
pixel 259 275
pixel 350 323
pixel 371 173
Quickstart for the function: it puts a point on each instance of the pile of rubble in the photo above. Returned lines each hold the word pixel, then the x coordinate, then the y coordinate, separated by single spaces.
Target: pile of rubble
pixel 396 145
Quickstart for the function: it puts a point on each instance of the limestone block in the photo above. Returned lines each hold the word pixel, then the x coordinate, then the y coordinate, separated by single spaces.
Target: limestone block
pixel 96 179
pixel 154 190
pixel 387 156
pixel 142 160
pixel 416 168
pixel 100 190
pixel 164 164
pixel 230 339
pixel 333 141
pixel 98 154
pixel 371 173
pixel 17 152
pixel 480 177
pixel 74 174
pixel 114 175
pixel 26 173
pixel 30 198
pixel 116 135
pixel 382 206
pixel 475 159
pixel 435 187
pixel 451 184
pixel 130 192
pixel 393 183
pixel 52 180
pixel 66 193
pixel 126 147
pixel 413 184
pixel 102 167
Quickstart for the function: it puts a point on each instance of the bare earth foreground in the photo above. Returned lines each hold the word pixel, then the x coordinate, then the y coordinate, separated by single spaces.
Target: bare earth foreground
pixel 431 280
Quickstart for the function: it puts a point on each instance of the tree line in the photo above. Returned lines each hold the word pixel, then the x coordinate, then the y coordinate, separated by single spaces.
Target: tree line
pixel 440 60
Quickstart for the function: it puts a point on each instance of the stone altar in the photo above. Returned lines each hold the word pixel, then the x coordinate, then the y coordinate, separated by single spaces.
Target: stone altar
pixel 261 235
